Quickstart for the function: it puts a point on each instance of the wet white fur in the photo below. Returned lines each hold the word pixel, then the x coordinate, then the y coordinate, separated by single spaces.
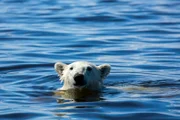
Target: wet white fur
pixel 93 78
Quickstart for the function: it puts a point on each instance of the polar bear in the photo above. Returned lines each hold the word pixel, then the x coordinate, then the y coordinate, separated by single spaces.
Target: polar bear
pixel 82 74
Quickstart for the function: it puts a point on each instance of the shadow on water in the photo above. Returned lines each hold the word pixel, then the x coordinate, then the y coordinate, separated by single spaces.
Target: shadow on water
pixel 79 95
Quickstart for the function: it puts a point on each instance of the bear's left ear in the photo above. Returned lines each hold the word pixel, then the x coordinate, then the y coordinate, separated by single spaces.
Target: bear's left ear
pixel 59 67
pixel 104 69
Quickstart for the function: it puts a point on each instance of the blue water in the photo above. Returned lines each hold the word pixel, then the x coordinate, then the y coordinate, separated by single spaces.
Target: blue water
pixel 140 39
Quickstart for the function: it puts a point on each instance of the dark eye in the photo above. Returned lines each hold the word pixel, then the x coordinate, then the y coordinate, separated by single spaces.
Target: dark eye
pixel 89 68
pixel 71 68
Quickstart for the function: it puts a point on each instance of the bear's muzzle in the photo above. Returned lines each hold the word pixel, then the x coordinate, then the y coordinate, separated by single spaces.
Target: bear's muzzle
pixel 79 80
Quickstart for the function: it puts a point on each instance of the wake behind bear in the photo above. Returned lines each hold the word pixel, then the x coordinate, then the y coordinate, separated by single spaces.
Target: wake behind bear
pixel 82 74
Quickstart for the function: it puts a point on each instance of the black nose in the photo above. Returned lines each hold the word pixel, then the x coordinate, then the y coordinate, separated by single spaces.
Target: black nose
pixel 79 80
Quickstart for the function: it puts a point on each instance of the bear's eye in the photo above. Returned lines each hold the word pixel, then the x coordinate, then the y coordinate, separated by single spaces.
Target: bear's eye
pixel 89 68
pixel 71 68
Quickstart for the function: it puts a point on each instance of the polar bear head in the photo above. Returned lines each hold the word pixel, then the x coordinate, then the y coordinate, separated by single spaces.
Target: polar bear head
pixel 82 74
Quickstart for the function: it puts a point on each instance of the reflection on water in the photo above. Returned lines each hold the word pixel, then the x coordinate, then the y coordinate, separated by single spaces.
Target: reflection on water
pixel 78 95
pixel 139 39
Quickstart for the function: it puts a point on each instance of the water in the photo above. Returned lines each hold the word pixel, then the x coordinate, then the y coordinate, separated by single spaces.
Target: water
pixel 139 39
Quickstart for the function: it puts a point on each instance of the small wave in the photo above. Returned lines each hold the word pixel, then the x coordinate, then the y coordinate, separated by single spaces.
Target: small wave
pixel 22 115
pixel 24 66
pixel 100 18
pixel 161 83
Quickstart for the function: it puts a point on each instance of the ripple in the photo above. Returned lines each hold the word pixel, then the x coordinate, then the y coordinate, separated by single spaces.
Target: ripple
pixel 161 83
pixel 24 66
pixel 100 19
pixel 22 115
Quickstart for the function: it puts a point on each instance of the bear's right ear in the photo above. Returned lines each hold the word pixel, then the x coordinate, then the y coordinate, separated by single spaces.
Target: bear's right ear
pixel 104 69
pixel 59 67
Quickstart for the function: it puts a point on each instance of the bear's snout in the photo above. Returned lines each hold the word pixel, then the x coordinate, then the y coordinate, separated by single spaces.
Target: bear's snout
pixel 79 80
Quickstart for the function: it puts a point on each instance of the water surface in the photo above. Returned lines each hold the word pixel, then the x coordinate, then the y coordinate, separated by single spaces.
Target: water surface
pixel 139 39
